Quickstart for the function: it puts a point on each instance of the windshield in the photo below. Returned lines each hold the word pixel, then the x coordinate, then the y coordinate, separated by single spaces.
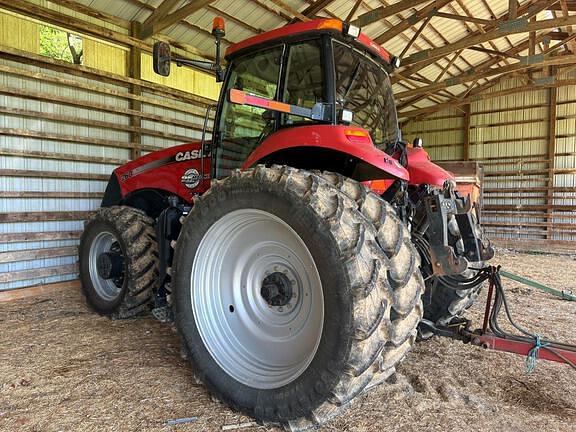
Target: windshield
pixel 363 87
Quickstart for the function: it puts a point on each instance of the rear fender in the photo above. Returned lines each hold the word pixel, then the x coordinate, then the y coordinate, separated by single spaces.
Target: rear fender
pixel 328 147
pixel 423 171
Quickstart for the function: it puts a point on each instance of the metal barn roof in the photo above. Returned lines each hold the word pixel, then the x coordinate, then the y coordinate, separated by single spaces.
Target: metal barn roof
pixel 414 29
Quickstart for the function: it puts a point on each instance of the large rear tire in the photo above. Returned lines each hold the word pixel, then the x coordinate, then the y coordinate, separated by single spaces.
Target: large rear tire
pixel 286 301
pixel 118 256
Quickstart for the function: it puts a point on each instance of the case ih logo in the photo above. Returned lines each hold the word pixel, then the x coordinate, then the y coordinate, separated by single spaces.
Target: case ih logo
pixel 191 178
pixel 187 155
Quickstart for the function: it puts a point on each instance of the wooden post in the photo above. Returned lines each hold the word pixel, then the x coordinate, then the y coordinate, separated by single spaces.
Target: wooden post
pixel 135 71
pixel 466 132
pixel 552 106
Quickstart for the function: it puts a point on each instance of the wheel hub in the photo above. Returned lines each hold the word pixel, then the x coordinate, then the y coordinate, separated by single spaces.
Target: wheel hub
pixel 109 265
pixel 277 289
pixel 106 266
pixel 257 298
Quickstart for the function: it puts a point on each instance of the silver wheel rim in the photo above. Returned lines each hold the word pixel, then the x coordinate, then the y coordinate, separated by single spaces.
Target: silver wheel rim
pixel 258 344
pixel 106 288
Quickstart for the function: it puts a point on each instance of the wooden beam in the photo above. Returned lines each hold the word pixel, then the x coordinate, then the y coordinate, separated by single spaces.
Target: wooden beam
pixel 53 174
pixel 503 30
pixel 429 10
pixel 86 121
pixel 316 7
pixel 106 77
pixel 529 10
pixel 551 148
pixel 35 254
pixel 466 131
pixel 512 9
pixel 135 71
pixel 448 65
pixel 493 52
pixel 468 77
pixel 38 290
pixel 463 18
pixel 91 12
pixel 60 156
pixel 353 10
pixel 38 273
pixel 283 5
pixel 39 236
pixel 15 217
pixel 80 103
pixel 485 96
pixel 160 12
pixel 385 11
pixel 155 27
pixel 416 35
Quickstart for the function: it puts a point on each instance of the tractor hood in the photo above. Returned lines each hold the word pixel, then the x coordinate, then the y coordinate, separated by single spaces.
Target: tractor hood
pixel 423 171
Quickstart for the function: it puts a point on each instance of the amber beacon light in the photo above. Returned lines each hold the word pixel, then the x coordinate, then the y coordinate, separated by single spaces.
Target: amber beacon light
pixel 218 26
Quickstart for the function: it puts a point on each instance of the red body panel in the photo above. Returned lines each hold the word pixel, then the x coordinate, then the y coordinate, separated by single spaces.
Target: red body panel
pixel 165 170
pixel 304 27
pixel 333 138
pixel 423 171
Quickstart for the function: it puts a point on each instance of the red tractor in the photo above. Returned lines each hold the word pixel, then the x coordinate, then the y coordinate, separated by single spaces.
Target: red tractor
pixel 298 250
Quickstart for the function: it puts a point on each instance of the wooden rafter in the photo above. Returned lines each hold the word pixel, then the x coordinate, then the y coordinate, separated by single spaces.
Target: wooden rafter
pixel 160 12
pixel 316 7
pixel 493 52
pixel 529 9
pixel 416 35
pixel 415 18
pixel 162 21
pixel 480 28
pixel 483 96
pixel 353 10
pixel 513 9
pixel 382 12
pixel 494 34
pixel 282 4
pixel 463 18
pixel 467 77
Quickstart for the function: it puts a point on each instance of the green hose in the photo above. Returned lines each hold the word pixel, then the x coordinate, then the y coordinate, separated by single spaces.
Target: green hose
pixel 564 294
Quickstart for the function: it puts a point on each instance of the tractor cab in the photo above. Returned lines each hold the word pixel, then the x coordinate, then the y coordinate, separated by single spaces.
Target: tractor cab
pixel 317 73
pixel 301 81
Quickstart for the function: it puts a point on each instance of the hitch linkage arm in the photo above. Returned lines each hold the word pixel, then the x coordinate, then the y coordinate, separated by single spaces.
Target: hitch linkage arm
pixel 440 206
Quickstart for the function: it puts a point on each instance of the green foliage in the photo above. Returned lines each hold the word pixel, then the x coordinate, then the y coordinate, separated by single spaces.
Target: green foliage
pixel 60 45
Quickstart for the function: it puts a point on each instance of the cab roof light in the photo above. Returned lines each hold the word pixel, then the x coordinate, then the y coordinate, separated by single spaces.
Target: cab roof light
pixel 346 116
pixel 218 26
pixel 353 31
pixel 334 24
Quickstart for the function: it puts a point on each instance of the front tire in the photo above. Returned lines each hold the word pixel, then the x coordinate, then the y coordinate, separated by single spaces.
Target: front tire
pixel 299 366
pixel 118 256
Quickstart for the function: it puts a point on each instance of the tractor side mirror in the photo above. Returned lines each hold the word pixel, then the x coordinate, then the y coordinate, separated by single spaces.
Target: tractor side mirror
pixel 161 58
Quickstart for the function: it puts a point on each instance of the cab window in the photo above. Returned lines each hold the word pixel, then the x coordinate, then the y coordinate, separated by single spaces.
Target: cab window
pixel 243 127
pixel 304 78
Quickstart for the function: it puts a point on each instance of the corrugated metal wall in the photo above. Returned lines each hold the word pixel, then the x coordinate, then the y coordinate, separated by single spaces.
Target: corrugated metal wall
pixel 63 129
pixel 529 194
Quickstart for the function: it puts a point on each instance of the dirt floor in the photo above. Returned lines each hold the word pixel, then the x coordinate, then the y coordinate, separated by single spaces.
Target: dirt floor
pixel 63 368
